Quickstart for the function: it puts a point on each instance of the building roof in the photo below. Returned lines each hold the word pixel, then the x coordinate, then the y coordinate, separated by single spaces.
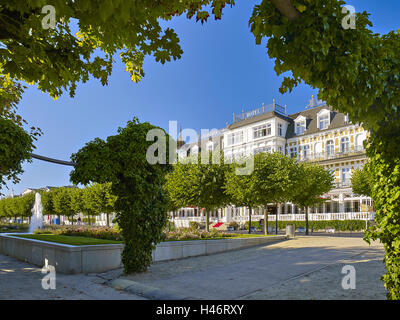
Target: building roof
pixel 337 121
pixel 264 116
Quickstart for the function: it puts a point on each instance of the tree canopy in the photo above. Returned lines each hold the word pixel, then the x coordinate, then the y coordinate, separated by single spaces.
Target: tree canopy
pixel 60 44
pixel 142 203
pixel 194 182
pixel 361 182
pixel 357 72
pixel 56 58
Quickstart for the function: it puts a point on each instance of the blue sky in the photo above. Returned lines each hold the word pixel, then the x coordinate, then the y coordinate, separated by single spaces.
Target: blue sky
pixel 222 71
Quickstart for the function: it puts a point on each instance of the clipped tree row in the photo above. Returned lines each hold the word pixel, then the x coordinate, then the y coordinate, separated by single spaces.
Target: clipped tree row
pixel 18 207
pixel 252 182
pixel 68 202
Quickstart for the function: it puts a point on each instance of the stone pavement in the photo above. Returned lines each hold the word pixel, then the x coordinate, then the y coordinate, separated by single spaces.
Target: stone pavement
pixel 301 268
pixel 22 281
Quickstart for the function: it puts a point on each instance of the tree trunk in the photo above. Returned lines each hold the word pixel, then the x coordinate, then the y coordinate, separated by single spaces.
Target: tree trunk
pixel 250 209
pixel 266 221
pixel 276 220
pixel 306 221
pixel 207 220
pixel 108 219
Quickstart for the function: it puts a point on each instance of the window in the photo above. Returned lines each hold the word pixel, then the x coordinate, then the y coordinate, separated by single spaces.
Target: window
pixel 324 121
pixel 300 127
pixel 280 129
pixel 345 176
pixel 293 152
pixel 306 151
pixel 262 131
pixel 234 138
pixel 261 150
pixel 345 144
pixel 330 148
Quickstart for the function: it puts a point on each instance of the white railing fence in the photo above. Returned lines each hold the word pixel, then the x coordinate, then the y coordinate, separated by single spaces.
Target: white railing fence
pixel 185 222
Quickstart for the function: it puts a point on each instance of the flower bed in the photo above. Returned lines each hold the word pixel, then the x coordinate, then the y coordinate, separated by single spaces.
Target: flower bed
pixel 107 233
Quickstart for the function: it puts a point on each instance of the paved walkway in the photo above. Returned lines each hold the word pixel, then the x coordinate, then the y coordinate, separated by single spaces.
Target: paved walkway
pixel 21 281
pixel 302 268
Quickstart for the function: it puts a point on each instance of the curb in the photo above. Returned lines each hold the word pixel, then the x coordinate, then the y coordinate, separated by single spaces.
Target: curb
pixel 145 291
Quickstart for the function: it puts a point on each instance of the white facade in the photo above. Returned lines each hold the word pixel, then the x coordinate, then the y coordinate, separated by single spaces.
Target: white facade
pixel 319 134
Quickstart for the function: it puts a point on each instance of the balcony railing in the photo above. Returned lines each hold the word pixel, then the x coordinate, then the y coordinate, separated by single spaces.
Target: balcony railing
pixel 184 222
pixel 332 155
pixel 343 184
pixel 256 112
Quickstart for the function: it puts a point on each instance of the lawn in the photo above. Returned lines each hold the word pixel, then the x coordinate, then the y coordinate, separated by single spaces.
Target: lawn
pixel 13 229
pixel 71 240
pixel 81 241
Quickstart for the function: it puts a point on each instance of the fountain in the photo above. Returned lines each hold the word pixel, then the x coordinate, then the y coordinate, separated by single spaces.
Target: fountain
pixel 37 215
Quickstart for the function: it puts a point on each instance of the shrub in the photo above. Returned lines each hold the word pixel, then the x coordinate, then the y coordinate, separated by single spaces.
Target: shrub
pixel 234 225
pixel 194 225
pixel 338 225
pixel 255 224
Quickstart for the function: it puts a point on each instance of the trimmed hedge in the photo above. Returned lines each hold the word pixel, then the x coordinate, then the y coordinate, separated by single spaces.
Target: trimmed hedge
pixel 338 225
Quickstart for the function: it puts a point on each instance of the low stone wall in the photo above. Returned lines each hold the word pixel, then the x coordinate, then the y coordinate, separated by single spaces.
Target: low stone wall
pixel 101 258
pixel 172 250
pixel 65 258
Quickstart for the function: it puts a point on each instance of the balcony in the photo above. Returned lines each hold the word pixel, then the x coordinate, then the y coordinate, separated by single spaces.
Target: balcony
pixel 359 150
pixel 342 185
pixel 257 112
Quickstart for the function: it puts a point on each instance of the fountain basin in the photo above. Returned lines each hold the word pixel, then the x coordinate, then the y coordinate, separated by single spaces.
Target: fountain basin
pixel 65 258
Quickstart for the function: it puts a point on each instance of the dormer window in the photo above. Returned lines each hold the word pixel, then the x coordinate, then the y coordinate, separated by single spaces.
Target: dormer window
pixel 324 119
pixel 324 122
pixel 300 125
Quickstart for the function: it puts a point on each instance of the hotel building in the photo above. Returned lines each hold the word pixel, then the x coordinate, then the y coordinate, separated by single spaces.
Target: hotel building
pixel 318 134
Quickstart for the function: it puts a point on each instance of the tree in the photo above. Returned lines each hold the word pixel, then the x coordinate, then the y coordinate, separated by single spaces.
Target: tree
pixel 244 189
pixel 76 201
pixel 311 39
pixel 361 182
pixel 104 200
pixel 137 182
pixel 47 202
pixel 59 59
pixel 312 182
pixel 24 205
pixel 62 202
pixel 15 147
pixel 277 180
pixel 38 47
pixel 199 181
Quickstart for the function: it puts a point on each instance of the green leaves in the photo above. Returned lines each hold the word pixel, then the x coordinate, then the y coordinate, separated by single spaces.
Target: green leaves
pixel 277 179
pixel 105 28
pixel 361 181
pixel 356 72
pixel 193 183
pixel 15 147
pixel 139 199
